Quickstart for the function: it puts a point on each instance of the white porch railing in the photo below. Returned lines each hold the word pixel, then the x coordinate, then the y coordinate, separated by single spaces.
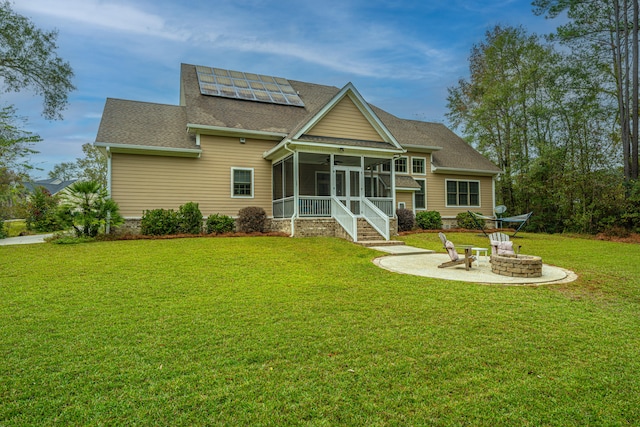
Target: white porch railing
pixel 345 218
pixel 385 204
pixel 376 217
pixel 314 206
pixel 283 208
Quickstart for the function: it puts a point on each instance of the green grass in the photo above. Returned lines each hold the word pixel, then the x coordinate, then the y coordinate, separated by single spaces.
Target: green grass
pixel 278 331
pixel 14 228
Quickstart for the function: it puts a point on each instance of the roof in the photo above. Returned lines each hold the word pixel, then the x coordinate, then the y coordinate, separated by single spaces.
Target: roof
pixel 142 123
pixel 53 185
pixel 163 126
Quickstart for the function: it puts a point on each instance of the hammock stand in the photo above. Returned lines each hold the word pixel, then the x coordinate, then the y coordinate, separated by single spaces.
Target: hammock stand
pixel 522 219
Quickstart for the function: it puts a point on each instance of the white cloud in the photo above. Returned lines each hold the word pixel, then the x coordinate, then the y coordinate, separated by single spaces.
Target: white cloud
pixel 112 16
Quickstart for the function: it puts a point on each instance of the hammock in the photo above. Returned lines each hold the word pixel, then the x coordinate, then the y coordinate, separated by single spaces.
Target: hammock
pixel 522 219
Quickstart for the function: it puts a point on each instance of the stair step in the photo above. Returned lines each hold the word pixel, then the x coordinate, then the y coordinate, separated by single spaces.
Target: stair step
pixel 369 243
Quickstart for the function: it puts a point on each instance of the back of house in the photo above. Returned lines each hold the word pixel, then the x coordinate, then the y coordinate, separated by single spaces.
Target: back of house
pixel 318 159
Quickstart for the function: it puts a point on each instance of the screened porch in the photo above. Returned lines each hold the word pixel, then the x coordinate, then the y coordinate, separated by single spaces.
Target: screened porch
pixel 306 185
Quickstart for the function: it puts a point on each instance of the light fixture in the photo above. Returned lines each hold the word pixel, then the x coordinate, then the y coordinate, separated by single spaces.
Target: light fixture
pixel 242 140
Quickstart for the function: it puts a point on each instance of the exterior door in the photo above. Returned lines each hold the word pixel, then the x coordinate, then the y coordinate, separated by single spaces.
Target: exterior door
pixel 348 187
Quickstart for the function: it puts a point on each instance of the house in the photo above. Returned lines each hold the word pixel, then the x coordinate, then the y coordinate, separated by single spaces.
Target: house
pixel 52 185
pixel 319 159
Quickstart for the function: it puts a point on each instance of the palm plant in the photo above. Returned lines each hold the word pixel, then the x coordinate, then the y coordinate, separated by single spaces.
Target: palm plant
pixel 88 208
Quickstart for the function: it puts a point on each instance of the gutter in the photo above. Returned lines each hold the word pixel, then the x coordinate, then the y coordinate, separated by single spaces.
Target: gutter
pixel 146 149
pixel 226 131
pixel 462 171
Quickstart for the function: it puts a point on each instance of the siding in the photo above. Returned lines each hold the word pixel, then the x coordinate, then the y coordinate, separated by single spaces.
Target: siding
pixel 437 193
pixel 149 182
pixel 345 120
pixel 406 197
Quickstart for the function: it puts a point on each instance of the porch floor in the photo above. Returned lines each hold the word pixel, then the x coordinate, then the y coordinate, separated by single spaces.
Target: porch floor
pixel 419 262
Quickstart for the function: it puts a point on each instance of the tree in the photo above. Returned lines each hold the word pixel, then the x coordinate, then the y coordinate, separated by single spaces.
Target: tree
pixel 91 167
pixel 539 116
pixel 28 60
pixel 88 208
pixel 604 33
pixel 501 108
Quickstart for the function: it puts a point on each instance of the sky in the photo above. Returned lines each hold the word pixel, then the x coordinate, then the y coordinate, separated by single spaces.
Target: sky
pixel 401 55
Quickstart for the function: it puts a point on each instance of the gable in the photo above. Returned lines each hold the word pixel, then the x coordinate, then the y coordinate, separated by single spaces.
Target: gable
pixel 345 120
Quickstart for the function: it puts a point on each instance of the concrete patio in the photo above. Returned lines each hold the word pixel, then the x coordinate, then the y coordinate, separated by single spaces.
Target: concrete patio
pixel 421 262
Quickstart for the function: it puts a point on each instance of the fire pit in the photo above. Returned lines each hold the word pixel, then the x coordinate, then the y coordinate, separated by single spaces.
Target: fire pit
pixel 517 266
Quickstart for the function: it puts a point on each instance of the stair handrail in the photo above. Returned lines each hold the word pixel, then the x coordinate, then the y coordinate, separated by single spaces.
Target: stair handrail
pixel 345 218
pixel 378 219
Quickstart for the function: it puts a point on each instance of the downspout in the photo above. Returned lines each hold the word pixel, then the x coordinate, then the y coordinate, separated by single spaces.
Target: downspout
pixel 295 188
pixel 108 224
pixel 108 149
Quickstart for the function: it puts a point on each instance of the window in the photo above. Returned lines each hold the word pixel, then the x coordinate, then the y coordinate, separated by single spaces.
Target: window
pixel 463 193
pixel 418 165
pixel 241 182
pixel 401 165
pixel 420 199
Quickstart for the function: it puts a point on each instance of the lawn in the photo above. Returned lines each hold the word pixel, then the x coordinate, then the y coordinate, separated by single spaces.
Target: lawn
pixel 279 331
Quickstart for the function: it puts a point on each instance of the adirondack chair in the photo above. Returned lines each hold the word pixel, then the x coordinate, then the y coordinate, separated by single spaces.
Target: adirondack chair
pixel 501 244
pixel 467 260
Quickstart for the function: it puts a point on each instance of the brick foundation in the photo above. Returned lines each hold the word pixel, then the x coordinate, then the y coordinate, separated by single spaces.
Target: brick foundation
pixel 520 266
pixel 303 227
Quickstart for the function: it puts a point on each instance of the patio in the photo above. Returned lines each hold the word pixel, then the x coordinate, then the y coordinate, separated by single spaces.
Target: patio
pixel 420 262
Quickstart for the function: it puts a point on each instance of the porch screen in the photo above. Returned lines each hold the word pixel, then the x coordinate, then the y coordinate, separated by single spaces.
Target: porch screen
pixel 283 179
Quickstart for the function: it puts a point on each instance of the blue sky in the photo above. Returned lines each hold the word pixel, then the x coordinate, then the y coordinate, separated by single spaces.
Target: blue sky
pixel 401 55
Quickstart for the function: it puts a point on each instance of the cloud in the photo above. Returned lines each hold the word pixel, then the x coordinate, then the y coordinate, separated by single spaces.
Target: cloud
pixel 106 15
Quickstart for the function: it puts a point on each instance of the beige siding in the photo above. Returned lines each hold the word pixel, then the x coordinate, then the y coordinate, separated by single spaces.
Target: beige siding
pixel 437 193
pixel 406 197
pixel 149 182
pixel 345 121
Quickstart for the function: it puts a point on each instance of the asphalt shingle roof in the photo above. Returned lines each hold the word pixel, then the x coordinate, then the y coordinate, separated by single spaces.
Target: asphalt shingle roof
pixel 159 125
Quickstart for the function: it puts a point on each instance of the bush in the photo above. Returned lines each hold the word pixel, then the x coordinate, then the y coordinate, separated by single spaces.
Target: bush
pixel 429 220
pixel 41 211
pixel 406 220
pixel 4 230
pixel 465 220
pixel 88 209
pixel 220 224
pixel 189 219
pixel 159 222
pixel 251 219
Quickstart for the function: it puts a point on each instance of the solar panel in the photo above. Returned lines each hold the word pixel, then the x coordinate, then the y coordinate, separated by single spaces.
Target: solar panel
pixel 247 86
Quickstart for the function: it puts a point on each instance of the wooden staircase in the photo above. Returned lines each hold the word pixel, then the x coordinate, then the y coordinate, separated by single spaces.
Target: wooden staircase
pixel 368 236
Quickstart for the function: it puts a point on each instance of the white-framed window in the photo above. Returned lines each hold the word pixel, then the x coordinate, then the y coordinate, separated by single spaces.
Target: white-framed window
pixel 419 165
pixel 402 205
pixel 242 182
pixel 420 196
pixel 402 165
pixel 462 193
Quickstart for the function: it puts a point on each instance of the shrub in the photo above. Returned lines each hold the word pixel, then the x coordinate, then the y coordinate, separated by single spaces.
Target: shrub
pixel 465 220
pixel 429 220
pixel 251 219
pixel 88 208
pixel 406 219
pixel 189 218
pixel 220 224
pixel 41 211
pixel 4 230
pixel 159 222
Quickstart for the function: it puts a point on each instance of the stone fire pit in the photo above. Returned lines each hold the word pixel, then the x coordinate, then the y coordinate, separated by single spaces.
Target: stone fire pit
pixel 517 266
